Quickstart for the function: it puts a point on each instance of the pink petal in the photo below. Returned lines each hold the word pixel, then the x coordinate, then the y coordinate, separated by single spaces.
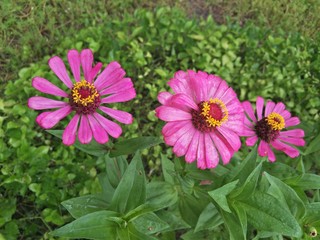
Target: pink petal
pixel 225 151
pixel 99 134
pixel 290 151
pixel 292 122
pixel 213 84
pixel 198 85
pixel 122 85
pixel 181 146
pixel 48 120
pixel 191 154
pixel 43 85
pixel 119 115
pixel 223 87
pixel 263 148
pixel 180 83
pixel 271 155
pixel 69 133
pixel 201 161
pixel 211 154
pixel 292 133
pixel 246 132
pixel 122 96
pixel 86 62
pixel 250 141
pixel 269 108
pixel 229 96
pixel 231 137
pixel 172 139
pixel 84 132
pixel 172 127
pixel 285 114
pixel 163 97
pixel 249 110
pixel 74 62
pixel 94 71
pixel 279 107
pixel 259 107
pixel 294 141
pixel 183 102
pixel 172 114
pixel 110 75
pixel 112 128
pixel 57 66
pixel 40 103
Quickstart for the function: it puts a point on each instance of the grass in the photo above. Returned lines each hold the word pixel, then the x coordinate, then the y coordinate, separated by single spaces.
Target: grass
pixel 32 29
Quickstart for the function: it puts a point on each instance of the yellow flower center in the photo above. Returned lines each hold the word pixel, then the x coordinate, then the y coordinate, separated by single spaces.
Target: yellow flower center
pixel 84 93
pixel 275 121
pixel 215 112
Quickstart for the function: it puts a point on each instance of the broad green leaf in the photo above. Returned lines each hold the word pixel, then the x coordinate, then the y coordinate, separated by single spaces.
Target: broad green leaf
pixel 314 146
pixel 138 211
pixel 167 169
pixel 266 213
pixel 115 168
pixel 245 168
pixel 161 195
pixel 84 205
pixel 95 225
pixel 132 145
pixel 306 181
pixel 134 234
pixel 150 223
pixel 93 148
pixel 233 225
pixel 209 219
pixel 219 195
pixel 131 191
pixel 107 188
pixel 203 235
pixel 173 218
pixel 312 213
pixel 249 185
pixel 287 196
pixel 242 218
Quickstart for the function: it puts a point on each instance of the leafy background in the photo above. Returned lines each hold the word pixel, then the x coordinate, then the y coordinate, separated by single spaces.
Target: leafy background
pixel 259 48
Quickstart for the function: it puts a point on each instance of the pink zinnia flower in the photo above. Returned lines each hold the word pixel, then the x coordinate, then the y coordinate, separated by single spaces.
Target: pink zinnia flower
pixel 268 127
pixel 204 118
pixel 85 97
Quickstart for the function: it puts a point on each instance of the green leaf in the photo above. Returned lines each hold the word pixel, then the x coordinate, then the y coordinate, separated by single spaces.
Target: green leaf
pixel 161 195
pixel 107 188
pixel 115 168
pixel 249 185
pixel 219 195
pixel 242 217
pixel 232 223
pixel 131 191
pixel 95 225
pixel 150 223
pixel 314 146
pixel 167 169
pixel 306 181
pixel 209 219
pixel 242 171
pixel 266 213
pixel 84 205
pixel 312 213
pixel 287 196
pixel 173 218
pixel 132 145
pixel 93 148
pixel 134 234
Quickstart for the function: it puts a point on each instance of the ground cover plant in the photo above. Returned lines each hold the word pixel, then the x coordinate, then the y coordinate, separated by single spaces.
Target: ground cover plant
pixel 177 200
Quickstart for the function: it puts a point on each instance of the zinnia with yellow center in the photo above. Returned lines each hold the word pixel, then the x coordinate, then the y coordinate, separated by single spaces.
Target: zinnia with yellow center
pixel 269 126
pixel 86 96
pixel 204 118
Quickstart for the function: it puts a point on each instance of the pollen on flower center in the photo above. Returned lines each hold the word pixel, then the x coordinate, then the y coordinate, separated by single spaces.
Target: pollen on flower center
pixel 211 114
pixel 275 121
pixel 84 97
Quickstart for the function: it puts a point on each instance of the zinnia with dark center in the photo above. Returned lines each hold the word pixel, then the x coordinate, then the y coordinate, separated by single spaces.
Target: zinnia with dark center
pixel 272 125
pixel 85 96
pixel 204 118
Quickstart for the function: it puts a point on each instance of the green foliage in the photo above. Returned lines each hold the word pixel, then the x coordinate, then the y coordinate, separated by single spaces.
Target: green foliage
pixel 38 173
